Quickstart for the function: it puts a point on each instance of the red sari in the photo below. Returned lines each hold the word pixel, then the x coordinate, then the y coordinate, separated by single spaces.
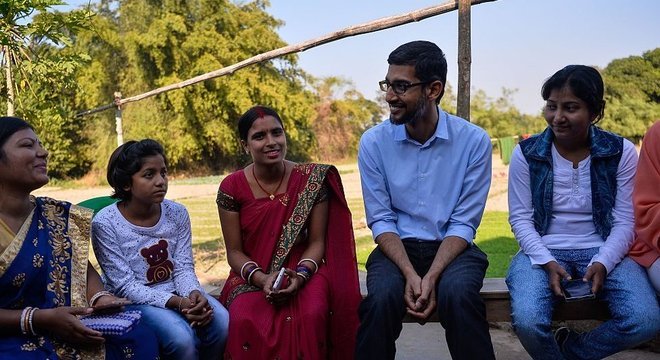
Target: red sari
pixel 321 321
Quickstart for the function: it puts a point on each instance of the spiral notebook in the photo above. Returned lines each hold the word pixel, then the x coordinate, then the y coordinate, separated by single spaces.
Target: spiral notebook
pixel 112 324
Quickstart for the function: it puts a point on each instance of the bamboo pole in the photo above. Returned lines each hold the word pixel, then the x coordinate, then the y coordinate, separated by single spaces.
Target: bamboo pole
pixel 464 60
pixel 372 26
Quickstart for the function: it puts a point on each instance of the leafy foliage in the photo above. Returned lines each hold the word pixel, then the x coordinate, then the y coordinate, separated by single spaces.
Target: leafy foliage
pixel 500 118
pixel 39 76
pixel 632 93
pixel 156 43
pixel 340 122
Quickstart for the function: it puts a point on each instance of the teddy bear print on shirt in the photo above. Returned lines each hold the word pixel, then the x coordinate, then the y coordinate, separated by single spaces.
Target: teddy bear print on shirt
pixel 160 266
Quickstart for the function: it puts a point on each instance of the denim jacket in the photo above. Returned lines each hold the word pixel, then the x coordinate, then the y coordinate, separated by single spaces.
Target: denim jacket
pixel 606 151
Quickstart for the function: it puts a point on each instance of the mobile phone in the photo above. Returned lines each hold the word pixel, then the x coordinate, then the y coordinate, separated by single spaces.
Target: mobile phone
pixel 279 279
pixel 577 289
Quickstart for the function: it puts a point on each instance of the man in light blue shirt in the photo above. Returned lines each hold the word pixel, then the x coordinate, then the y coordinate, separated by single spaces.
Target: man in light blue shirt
pixel 425 179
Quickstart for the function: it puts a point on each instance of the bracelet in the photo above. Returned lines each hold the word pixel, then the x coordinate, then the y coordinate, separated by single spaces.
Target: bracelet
pixel 249 269
pixel 180 302
pixel 249 278
pixel 243 268
pixel 32 311
pixel 304 276
pixel 316 266
pixel 98 295
pixel 304 271
pixel 23 321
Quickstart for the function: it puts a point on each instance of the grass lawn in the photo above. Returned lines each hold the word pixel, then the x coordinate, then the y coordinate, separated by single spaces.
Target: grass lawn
pixel 494 237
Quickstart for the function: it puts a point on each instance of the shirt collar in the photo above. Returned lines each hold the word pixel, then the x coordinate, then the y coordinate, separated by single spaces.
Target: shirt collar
pixel 441 131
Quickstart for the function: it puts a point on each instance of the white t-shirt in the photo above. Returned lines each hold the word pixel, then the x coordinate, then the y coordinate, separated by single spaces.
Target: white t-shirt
pixel 147 265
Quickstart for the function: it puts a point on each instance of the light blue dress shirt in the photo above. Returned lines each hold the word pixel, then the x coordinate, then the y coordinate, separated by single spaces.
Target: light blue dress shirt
pixel 425 191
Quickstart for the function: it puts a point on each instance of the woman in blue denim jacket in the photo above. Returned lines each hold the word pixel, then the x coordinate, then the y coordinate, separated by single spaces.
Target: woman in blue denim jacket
pixel 570 209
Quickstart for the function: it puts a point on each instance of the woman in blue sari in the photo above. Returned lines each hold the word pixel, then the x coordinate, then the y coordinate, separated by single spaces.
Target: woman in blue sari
pixel 46 280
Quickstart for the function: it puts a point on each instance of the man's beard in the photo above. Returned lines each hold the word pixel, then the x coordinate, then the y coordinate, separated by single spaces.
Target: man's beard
pixel 412 118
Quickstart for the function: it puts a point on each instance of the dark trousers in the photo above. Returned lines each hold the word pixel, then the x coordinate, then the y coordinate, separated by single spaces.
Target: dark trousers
pixel 462 311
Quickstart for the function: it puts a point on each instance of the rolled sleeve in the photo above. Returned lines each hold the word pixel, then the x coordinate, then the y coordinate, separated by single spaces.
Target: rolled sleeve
pixel 467 214
pixel 380 216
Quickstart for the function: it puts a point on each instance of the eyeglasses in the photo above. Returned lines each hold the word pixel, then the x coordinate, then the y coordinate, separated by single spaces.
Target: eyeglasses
pixel 399 87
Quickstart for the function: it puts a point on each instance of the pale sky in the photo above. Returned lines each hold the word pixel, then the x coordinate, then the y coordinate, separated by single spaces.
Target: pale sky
pixel 516 44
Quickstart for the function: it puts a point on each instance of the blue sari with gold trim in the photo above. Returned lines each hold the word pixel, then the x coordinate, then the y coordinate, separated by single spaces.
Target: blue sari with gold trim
pixel 45 266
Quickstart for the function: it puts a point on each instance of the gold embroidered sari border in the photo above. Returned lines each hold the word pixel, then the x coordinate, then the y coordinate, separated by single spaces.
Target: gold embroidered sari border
pixel 300 213
pixel 79 233
pixel 9 255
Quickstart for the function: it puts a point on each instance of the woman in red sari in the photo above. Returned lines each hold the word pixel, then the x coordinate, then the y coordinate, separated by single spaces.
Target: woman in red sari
pixel 278 214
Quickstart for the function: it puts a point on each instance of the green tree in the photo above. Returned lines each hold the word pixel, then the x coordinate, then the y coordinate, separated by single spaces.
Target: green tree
pixel 500 118
pixel 341 120
pixel 38 77
pixel 147 44
pixel 632 94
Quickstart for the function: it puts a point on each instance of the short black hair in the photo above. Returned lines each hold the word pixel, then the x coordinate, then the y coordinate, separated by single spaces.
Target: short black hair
pixel 427 58
pixel 584 81
pixel 9 125
pixel 127 160
pixel 254 113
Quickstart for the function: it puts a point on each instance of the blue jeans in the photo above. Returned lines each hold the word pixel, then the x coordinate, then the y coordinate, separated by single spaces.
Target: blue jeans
pixel 177 340
pixel 631 299
pixel 461 309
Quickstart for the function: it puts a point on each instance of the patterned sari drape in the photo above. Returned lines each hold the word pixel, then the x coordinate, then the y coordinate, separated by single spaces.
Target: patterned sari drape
pixel 321 320
pixel 45 266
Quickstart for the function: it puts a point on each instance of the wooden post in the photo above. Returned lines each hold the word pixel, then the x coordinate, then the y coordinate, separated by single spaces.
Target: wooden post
pixel 118 124
pixel 464 59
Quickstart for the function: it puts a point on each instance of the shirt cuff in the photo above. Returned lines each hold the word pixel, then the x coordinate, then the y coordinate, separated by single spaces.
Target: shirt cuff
pixel 161 300
pixel 463 231
pixel 538 260
pixel 609 265
pixel 186 290
pixel 381 227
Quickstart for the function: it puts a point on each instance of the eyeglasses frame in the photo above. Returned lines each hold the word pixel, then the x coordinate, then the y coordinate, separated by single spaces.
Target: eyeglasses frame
pixel 406 85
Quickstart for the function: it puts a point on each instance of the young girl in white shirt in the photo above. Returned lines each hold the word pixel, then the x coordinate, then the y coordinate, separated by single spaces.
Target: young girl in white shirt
pixel 143 244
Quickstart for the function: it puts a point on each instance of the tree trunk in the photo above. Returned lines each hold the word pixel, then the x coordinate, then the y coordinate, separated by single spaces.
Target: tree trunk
pixel 464 59
pixel 10 83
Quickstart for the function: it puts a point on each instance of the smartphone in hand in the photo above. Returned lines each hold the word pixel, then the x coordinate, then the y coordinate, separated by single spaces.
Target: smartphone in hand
pixel 279 280
pixel 577 289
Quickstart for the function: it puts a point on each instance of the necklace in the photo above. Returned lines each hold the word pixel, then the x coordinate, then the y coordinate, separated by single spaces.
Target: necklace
pixel 270 195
